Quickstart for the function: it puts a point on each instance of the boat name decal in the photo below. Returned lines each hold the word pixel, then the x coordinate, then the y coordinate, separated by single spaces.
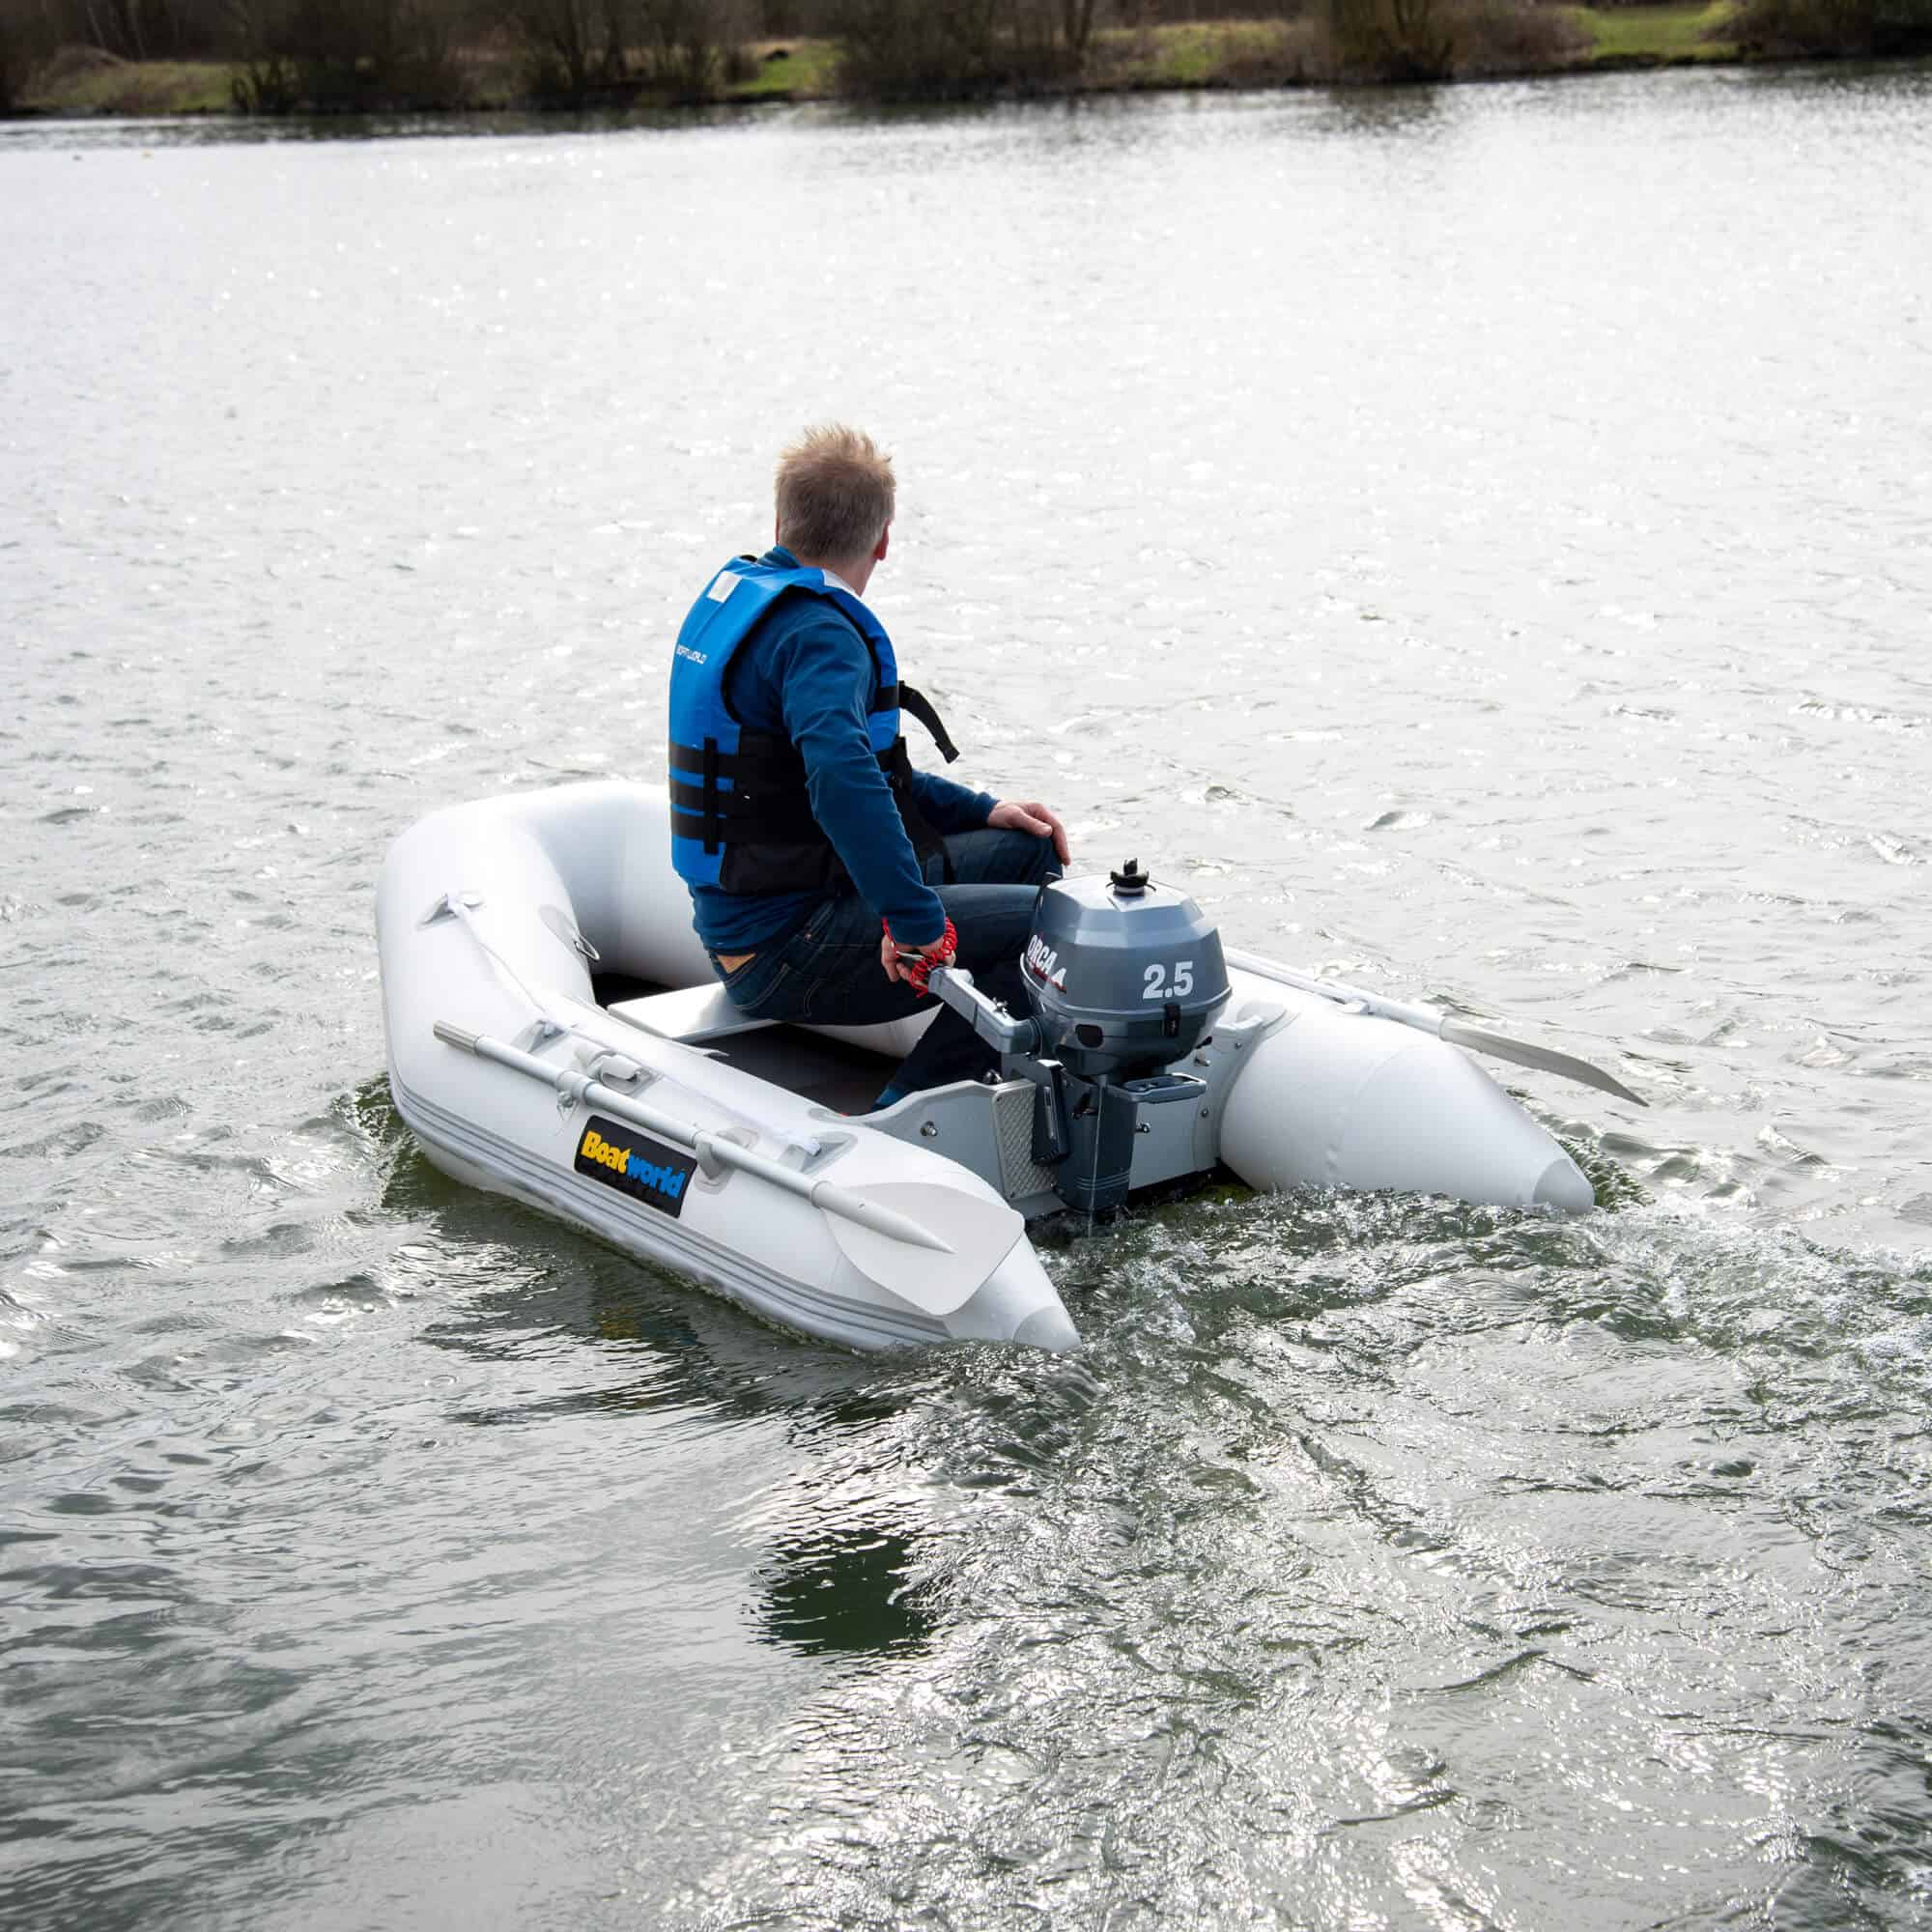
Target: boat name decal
pixel 635 1164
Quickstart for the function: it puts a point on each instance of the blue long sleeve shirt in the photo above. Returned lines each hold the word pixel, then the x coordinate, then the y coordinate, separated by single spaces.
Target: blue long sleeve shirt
pixel 804 670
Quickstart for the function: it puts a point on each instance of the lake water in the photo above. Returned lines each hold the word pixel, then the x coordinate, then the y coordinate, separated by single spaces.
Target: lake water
pixel 1479 539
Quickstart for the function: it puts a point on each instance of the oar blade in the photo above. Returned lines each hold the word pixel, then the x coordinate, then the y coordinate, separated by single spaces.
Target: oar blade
pixel 979 1234
pixel 1480 1039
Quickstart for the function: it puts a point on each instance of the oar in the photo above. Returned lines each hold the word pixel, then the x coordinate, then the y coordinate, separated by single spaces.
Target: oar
pixel 1445 1025
pixel 934 1262
pixel 979 1236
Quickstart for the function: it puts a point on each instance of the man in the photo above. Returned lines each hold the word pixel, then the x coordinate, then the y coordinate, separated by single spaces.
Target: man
pixel 827 875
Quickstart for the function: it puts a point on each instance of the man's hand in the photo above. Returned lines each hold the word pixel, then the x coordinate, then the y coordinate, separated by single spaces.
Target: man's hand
pixel 940 953
pixel 1009 815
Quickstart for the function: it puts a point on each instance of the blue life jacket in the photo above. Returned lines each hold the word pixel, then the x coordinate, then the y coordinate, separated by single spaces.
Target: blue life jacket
pixel 740 809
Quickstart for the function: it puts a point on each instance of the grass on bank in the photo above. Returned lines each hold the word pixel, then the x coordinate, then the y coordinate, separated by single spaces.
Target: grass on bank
pixel 790 71
pixel 80 82
pixel 1195 54
pixel 1679 33
pixel 1198 54
pixel 1263 53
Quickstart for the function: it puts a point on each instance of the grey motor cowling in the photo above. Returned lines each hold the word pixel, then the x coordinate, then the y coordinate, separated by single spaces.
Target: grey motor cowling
pixel 1124 975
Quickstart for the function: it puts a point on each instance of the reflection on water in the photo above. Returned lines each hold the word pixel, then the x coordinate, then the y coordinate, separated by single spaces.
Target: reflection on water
pixel 232 130
pixel 847 1588
pixel 838 1573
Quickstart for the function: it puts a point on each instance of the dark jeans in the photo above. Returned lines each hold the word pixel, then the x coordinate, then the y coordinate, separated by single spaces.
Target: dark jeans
pixel 828 972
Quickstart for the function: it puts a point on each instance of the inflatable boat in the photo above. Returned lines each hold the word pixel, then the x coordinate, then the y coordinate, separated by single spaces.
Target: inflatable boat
pixel 554 1033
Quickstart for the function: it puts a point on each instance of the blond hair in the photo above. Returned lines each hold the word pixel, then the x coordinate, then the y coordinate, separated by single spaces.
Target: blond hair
pixel 834 494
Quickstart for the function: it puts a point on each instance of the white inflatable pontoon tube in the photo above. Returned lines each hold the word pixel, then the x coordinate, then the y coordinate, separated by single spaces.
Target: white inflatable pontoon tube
pixel 1340 1100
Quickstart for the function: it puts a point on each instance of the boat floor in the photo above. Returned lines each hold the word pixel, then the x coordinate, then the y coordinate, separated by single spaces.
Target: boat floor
pixel 828 1072
pixel 831 1072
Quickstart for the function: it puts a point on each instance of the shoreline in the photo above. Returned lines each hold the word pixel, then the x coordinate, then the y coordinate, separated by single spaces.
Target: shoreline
pixel 1211 57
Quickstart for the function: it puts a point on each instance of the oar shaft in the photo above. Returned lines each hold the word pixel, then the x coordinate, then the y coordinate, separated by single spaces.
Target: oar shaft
pixel 888 1221
pixel 1442 1026
pixel 577 1085
pixel 1425 1019
pixel 824 1195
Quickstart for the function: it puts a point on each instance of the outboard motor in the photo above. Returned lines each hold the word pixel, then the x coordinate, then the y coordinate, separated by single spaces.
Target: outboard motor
pixel 1124 977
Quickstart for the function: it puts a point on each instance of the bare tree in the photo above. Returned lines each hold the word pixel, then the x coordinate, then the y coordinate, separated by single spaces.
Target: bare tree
pixel 26 39
pixel 688 41
pixel 1389 40
pixel 347 55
